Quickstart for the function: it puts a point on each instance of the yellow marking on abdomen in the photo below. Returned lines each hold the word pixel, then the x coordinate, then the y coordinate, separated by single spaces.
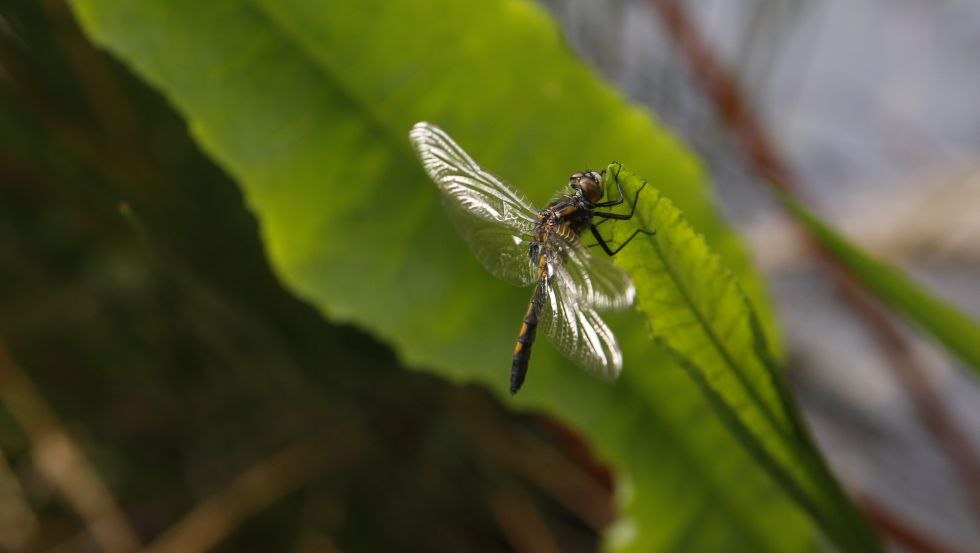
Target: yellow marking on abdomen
pixel 525 338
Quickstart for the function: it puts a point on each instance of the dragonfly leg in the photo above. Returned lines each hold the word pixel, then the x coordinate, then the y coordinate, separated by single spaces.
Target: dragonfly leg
pixel 607 241
pixel 621 216
pixel 605 216
pixel 594 244
pixel 619 186
pixel 604 244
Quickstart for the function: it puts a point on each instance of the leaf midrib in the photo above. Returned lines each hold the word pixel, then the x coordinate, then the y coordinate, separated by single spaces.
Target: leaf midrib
pixel 709 331
pixel 708 479
pixel 397 140
pixel 393 136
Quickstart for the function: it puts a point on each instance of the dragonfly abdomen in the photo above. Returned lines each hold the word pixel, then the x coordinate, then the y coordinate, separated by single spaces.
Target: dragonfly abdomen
pixel 522 349
pixel 525 338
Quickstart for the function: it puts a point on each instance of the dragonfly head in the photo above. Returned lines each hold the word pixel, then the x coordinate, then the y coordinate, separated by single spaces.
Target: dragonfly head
pixel 588 183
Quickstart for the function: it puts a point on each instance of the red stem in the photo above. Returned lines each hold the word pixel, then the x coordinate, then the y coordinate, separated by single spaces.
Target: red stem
pixel 902 532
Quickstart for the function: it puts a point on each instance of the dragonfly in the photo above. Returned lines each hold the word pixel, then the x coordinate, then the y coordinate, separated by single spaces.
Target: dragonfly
pixel 525 246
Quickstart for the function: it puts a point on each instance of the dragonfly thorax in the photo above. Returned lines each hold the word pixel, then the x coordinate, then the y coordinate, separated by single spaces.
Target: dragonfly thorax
pixel 567 217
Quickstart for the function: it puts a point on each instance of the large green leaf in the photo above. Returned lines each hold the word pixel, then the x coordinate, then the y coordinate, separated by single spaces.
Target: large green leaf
pixel 308 104
pixel 947 324
pixel 697 310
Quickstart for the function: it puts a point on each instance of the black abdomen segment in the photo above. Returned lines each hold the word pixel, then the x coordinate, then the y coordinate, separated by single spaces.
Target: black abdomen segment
pixel 522 350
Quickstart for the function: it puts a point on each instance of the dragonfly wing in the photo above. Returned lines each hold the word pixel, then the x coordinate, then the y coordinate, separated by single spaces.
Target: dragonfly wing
pixel 494 219
pixel 592 278
pixel 501 250
pixel 576 329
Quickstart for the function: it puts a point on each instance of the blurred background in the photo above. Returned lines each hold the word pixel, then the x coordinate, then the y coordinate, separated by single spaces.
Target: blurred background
pixel 873 105
pixel 160 388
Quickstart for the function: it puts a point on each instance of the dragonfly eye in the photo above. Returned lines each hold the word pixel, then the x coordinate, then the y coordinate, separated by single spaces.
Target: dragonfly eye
pixel 590 184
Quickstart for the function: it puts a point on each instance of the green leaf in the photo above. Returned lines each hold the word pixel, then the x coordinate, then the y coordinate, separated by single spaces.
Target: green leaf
pixel 947 324
pixel 697 310
pixel 308 105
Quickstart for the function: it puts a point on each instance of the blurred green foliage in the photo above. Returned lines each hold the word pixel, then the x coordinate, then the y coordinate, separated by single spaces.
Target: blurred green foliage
pixel 164 339
pixel 945 322
pixel 137 299
pixel 308 106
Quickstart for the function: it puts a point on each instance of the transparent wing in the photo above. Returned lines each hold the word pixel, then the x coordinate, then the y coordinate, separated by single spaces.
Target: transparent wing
pixel 576 329
pixel 502 250
pixel 591 277
pixel 494 219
